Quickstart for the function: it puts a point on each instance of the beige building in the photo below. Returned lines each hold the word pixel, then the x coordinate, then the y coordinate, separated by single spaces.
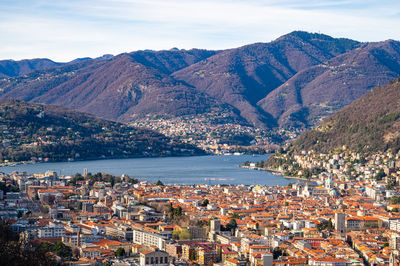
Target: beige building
pixel 154 257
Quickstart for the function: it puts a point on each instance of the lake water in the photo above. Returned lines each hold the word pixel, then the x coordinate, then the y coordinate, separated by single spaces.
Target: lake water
pixel 212 170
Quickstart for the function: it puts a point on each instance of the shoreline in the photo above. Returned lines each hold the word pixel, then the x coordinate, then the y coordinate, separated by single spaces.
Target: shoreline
pixel 273 171
pixel 12 164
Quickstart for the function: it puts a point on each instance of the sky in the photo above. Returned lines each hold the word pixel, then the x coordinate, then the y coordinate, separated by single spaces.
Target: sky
pixel 63 30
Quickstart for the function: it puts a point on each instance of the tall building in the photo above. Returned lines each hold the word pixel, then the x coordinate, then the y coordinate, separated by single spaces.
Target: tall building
pixel 215 226
pixel 340 222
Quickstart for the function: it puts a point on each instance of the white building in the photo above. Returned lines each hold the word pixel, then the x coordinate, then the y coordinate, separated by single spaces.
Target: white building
pixel 52 230
pixel 149 239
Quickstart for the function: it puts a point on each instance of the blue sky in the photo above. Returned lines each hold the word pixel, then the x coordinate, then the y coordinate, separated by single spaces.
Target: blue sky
pixel 66 29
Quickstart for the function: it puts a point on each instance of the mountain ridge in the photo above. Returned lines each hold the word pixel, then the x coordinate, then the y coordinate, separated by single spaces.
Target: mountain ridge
pixel 291 82
pixel 369 124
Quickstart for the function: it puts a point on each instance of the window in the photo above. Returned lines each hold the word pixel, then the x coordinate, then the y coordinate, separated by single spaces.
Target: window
pixel 161 260
pixel 156 260
pixel 166 260
pixel 152 260
pixel 147 260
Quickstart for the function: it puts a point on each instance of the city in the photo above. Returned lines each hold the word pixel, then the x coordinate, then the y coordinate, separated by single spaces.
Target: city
pixel 332 221
pixel 209 133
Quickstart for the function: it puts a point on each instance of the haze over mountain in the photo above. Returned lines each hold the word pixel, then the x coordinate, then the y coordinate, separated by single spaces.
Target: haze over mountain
pixel 11 68
pixel 290 82
pixel 370 123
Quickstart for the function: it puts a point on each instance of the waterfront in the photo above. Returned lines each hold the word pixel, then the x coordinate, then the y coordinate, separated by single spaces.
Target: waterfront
pixel 170 170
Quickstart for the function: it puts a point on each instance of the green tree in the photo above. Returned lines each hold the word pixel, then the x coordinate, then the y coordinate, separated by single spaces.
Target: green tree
pixel 62 250
pixel 231 226
pixel 395 200
pixel 181 234
pixel 380 175
pixel 159 183
pixel 205 203
pixel 120 252
pixel 13 253
pixel 330 225
pixel 179 211
pixel 235 216
pixel 277 252
pixel 58 248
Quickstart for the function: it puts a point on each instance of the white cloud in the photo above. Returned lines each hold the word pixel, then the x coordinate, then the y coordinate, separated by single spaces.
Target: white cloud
pixel 63 30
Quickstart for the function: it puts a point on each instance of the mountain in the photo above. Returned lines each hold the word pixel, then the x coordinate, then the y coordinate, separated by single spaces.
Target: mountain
pixel 291 82
pixel 11 68
pixel 30 131
pixel 371 123
pixel 323 89
pixel 243 76
pixel 128 85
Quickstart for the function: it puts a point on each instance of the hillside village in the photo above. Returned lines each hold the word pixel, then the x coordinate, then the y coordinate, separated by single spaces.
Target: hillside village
pixel 339 219
pixel 216 133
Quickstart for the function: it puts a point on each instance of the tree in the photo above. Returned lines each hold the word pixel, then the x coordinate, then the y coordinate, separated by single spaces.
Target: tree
pixel 231 226
pixel 13 253
pixel 330 225
pixel 178 211
pixel 235 216
pixel 381 174
pixel 62 250
pixel 205 203
pixel 181 234
pixel 120 252
pixel 57 248
pixel 395 200
pixel 277 252
pixel 159 183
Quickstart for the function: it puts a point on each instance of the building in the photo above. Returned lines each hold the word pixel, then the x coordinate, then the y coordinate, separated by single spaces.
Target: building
pixel 206 255
pixel 154 257
pixel 52 230
pixel 89 252
pixel 173 249
pixel 121 232
pixel 267 259
pixel 215 226
pixel 329 262
pixel 340 222
pixel 394 241
pixel 197 232
pixel 150 239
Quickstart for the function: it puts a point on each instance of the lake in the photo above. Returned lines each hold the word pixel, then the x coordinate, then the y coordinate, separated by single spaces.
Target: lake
pixel 212 169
